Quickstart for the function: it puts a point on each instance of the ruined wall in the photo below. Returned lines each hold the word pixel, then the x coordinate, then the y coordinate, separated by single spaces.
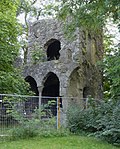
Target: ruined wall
pixel 76 69
pixel 42 31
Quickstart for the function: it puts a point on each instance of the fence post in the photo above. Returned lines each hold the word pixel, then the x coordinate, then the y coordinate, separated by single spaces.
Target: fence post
pixel 58 112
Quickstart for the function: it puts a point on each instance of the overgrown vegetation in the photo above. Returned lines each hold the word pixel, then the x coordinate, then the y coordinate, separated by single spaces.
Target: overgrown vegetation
pixel 11 80
pixel 91 15
pixel 102 120
pixel 38 54
pixel 111 71
pixel 36 122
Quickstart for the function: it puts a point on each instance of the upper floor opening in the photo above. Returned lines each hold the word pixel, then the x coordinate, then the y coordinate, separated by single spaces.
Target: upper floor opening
pixel 53 46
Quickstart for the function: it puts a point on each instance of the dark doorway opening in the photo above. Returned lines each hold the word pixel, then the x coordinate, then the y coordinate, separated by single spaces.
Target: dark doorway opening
pixel 33 102
pixel 53 47
pixel 86 92
pixel 50 91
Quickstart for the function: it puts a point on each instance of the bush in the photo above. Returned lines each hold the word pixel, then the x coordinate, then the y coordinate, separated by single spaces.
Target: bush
pixel 27 129
pixel 61 132
pixel 37 124
pixel 31 126
pixel 102 120
pixel 111 132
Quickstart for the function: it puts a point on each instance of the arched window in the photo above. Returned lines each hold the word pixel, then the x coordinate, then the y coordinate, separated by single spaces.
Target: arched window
pixel 53 47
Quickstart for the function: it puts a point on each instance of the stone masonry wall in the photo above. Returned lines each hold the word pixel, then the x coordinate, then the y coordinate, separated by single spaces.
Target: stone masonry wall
pixel 77 69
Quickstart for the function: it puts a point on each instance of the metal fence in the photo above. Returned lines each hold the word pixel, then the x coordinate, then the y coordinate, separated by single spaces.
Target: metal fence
pixel 17 108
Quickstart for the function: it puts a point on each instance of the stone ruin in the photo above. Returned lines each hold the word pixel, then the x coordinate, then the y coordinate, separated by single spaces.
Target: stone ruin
pixel 69 67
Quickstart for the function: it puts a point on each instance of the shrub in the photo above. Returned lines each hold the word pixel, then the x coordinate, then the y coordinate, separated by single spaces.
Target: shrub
pixel 36 124
pixel 30 126
pixel 111 132
pixel 102 120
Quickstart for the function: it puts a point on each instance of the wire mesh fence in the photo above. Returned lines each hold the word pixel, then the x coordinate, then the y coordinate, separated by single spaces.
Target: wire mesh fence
pixel 15 110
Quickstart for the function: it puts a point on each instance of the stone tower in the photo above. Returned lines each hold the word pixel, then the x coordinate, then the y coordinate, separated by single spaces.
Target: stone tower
pixel 69 68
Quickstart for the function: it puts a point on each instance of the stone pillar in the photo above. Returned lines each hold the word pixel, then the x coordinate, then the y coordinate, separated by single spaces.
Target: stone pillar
pixel 40 94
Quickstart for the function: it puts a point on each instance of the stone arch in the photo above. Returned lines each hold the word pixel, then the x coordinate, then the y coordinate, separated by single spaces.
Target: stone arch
pixel 52 47
pixel 75 85
pixel 51 87
pixel 33 102
pixel 33 85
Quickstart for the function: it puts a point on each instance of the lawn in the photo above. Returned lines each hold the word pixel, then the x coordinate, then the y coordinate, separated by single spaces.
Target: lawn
pixel 69 142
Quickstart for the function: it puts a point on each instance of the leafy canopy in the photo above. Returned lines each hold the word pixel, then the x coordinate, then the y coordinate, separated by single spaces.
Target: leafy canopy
pixel 89 13
pixel 10 78
pixel 111 72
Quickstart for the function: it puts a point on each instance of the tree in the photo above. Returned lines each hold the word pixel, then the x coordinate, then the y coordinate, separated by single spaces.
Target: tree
pixel 89 13
pixel 27 8
pixel 31 10
pixel 10 78
pixel 111 68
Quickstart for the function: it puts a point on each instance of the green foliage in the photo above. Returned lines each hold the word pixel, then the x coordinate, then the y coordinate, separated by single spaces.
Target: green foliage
pixel 32 125
pixel 102 120
pixel 112 74
pixel 89 14
pixel 25 7
pixel 38 55
pixel 61 132
pixel 36 123
pixel 27 129
pixel 111 69
pixel 12 82
pixel 10 78
pixel 31 12
pixel 8 34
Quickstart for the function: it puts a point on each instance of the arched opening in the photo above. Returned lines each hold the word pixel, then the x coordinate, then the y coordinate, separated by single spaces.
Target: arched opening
pixel 51 85
pixel 33 85
pixel 74 87
pixel 53 47
pixel 51 89
pixel 86 92
pixel 33 102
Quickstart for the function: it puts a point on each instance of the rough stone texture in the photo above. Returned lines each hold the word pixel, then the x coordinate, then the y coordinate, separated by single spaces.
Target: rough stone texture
pixel 76 69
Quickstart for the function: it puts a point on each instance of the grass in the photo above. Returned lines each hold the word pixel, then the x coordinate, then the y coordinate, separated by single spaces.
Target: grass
pixel 68 142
